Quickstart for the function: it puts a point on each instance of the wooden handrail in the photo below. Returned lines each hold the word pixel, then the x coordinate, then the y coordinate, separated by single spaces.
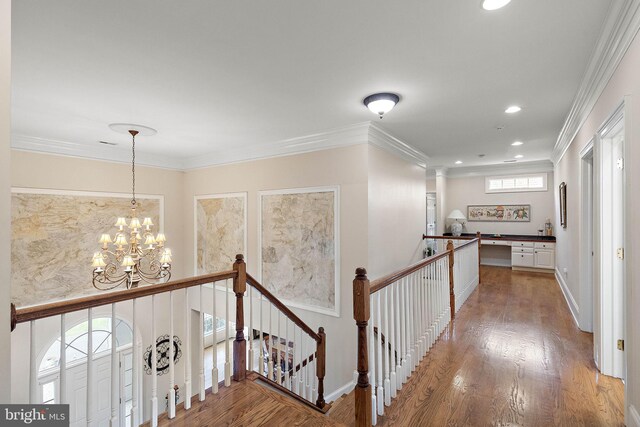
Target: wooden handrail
pixel 424 236
pixel 26 314
pixel 283 308
pixel 385 281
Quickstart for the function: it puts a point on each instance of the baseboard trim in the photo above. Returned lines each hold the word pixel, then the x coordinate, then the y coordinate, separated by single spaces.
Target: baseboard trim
pixel 571 302
pixel 634 417
pixel 534 270
pixel 339 392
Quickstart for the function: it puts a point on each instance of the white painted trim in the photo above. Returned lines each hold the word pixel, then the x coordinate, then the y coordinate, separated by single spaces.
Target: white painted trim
pixel 497 169
pixel 464 294
pixel 634 417
pixel 347 388
pixel 244 196
pixel 587 253
pixel 336 215
pixel 494 262
pixel 382 139
pixel 571 302
pixel 618 31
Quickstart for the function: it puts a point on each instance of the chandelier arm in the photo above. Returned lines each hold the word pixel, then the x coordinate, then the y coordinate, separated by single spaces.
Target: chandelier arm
pixel 103 279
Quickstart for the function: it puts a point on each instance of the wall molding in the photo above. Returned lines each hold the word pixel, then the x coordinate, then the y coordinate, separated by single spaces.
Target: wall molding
pixel 330 397
pixel 497 169
pixel 634 417
pixel 346 136
pixel 618 31
pixel 571 302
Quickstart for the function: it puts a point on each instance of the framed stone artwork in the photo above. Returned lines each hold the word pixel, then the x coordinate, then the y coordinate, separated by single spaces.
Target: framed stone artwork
pixel 220 231
pixel 499 213
pixel 54 234
pixel 299 247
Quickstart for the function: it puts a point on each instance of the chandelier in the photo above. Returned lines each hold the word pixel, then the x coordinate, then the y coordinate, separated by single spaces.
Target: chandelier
pixel 134 254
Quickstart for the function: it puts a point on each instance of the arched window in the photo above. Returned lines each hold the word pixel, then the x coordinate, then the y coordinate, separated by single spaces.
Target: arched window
pixel 76 339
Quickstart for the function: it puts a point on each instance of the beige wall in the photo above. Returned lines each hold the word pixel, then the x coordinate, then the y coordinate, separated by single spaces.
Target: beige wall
pixel 344 167
pixel 397 212
pixel 5 185
pixel 625 82
pixel 471 191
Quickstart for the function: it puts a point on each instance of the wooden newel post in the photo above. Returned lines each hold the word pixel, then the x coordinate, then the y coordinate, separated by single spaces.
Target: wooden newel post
pixel 452 295
pixel 479 236
pixel 239 344
pixel 321 351
pixel 361 314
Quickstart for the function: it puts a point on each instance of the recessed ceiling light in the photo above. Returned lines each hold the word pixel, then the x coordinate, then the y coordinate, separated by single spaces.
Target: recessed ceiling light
pixel 515 144
pixel 518 156
pixel 512 109
pixel 494 4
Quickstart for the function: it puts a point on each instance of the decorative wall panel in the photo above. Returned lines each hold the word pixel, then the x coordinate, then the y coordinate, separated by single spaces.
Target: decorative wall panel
pixel 54 236
pixel 220 231
pixel 299 247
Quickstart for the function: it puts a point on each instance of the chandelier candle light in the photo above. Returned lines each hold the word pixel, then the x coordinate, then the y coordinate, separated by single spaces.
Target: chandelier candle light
pixel 144 256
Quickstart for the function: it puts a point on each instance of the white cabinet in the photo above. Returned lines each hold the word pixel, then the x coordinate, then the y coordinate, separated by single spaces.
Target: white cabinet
pixel 544 258
pixel 533 255
pixel 523 259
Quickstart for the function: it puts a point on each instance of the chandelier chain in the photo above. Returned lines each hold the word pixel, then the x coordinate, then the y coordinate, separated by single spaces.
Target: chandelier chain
pixel 133 171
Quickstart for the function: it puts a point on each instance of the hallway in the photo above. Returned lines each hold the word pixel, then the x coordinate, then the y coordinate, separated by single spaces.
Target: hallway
pixel 513 356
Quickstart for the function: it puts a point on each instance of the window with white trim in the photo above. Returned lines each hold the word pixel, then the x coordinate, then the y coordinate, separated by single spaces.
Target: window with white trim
pixel 515 183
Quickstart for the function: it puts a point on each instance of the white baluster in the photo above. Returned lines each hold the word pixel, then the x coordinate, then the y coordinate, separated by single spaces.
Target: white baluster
pixel 250 337
pixel 171 403
pixel 388 350
pixel 63 359
pixel 392 340
pixel 270 346
pixel 154 366
pixel 407 309
pixel 90 387
pixel 227 327
pixel 416 316
pixel 423 303
pixel 301 387
pixel 372 367
pixel 261 345
pixel 294 374
pixel 287 361
pixel 33 368
pixel 187 351
pixel 308 373
pixel 115 372
pixel 412 316
pixel 214 348
pixel 202 386
pixel 402 375
pixel 398 335
pixel 135 419
pixel 378 365
pixel 278 355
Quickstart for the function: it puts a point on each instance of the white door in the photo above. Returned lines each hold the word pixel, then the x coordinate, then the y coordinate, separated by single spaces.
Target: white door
pixel 618 256
pixel 126 387
pixel 77 393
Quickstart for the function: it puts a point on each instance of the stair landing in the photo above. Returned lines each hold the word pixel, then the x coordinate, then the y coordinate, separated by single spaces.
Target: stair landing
pixel 247 403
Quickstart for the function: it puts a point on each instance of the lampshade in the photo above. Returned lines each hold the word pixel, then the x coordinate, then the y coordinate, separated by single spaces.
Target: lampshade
pixel 166 257
pixel 457 215
pixel 160 239
pixel 121 222
pixel 121 240
pixel 150 240
pixel 135 223
pixel 128 261
pixel 147 223
pixel 98 260
pixel 105 238
pixel 381 103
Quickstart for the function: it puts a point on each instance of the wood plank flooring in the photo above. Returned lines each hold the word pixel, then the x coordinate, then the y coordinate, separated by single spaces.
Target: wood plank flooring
pixel 513 356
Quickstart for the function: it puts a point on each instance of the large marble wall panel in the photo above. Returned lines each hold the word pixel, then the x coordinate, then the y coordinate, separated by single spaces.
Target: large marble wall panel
pixel 54 236
pixel 220 231
pixel 299 245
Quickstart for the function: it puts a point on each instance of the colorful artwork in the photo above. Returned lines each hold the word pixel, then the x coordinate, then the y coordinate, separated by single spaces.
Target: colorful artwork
pixel 499 213
pixel 299 245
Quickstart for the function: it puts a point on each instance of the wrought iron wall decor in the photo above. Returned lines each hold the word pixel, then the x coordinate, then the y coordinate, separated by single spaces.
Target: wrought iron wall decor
pixel 162 354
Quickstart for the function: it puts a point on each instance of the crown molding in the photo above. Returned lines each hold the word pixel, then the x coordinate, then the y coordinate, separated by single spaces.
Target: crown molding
pixel 497 169
pixel 94 152
pixel 382 139
pixel 360 133
pixel 618 31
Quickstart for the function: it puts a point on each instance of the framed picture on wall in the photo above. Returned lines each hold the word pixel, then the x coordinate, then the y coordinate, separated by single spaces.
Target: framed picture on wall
pixel 563 204
pixel 499 213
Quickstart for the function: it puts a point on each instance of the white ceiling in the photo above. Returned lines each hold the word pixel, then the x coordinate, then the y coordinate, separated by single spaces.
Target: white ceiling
pixel 212 76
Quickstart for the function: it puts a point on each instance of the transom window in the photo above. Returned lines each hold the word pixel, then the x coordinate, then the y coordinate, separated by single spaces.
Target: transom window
pixel 516 183
pixel 76 340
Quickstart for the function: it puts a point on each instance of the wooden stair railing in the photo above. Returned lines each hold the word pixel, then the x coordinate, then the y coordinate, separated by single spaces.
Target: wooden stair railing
pixel 308 384
pixel 408 310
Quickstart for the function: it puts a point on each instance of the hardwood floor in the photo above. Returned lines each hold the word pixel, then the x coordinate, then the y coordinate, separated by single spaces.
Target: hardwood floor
pixel 513 356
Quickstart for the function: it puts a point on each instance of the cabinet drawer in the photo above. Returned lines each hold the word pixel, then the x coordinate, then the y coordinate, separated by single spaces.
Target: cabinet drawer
pixel 517 244
pixel 545 245
pixel 518 250
pixel 522 259
pixel 496 242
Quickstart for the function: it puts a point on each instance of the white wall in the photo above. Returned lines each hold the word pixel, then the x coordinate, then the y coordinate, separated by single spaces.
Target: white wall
pixel 346 167
pixel 624 82
pixel 461 192
pixel 5 187
pixel 397 212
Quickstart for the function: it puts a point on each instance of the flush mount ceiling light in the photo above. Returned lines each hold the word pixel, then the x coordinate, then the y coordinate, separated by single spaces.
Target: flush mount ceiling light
pixel 517 143
pixel 381 103
pixel 458 162
pixel 512 109
pixel 518 156
pixel 494 4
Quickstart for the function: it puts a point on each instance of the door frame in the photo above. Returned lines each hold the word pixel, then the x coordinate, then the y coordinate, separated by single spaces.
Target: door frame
pixel 587 200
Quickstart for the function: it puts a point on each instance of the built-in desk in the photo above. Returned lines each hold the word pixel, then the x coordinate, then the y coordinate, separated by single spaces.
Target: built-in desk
pixel 520 252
